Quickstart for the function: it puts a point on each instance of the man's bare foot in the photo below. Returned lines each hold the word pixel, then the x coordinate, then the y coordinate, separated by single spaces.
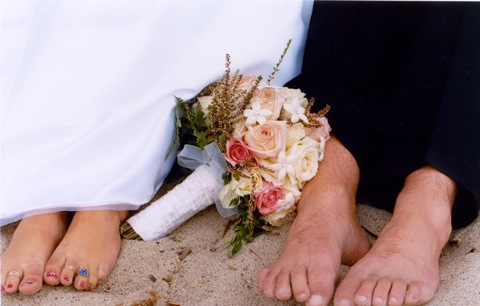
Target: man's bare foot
pixel 402 267
pixel 88 252
pixel 24 260
pixel 324 234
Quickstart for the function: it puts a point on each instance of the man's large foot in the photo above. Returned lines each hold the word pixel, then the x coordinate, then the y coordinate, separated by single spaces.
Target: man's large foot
pixel 24 260
pixel 324 234
pixel 88 252
pixel 402 267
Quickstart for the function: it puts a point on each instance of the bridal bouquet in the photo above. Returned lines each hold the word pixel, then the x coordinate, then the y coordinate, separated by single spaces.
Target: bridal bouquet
pixel 255 147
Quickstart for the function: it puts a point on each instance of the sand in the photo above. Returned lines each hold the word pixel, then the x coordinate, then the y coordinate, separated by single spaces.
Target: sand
pixel 156 273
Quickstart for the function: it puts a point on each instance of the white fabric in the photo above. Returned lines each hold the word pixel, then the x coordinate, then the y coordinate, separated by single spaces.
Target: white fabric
pixel 88 89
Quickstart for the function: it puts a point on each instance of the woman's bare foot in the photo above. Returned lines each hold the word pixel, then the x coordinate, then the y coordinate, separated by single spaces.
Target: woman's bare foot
pixel 33 242
pixel 324 234
pixel 88 252
pixel 402 266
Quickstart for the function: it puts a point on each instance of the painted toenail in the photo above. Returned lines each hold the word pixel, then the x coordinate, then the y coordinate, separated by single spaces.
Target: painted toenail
pixel 82 285
pixel 66 279
pixel 89 287
pixel 316 300
pixel 29 282
pixel 9 286
pixel 3 289
pixel 52 274
pixel 344 303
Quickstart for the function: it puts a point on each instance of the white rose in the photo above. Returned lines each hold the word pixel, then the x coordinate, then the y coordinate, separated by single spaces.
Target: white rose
pixel 286 207
pixel 295 132
pixel 290 93
pixel 246 185
pixel 306 160
pixel 227 194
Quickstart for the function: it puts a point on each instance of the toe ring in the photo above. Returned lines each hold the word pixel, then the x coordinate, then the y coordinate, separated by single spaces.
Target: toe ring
pixel 83 272
pixel 14 273
pixel 70 268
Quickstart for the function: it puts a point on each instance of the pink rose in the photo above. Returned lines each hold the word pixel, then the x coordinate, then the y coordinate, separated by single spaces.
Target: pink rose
pixel 269 100
pixel 323 131
pixel 267 198
pixel 266 140
pixel 237 151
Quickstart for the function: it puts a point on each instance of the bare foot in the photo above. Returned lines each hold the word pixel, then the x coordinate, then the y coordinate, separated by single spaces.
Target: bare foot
pixel 402 267
pixel 324 234
pixel 88 252
pixel 24 260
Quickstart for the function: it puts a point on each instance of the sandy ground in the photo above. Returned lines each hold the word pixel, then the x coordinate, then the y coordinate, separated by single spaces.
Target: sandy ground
pixel 153 273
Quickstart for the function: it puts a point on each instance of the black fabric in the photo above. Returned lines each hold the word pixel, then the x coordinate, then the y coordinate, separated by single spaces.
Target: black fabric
pixel 403 80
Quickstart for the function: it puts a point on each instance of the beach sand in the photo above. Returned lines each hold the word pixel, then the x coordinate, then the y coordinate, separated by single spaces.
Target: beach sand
pixel 190 267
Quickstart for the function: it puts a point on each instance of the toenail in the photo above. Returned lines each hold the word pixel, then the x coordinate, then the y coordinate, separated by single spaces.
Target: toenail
pixel 66 279
pixel 393 301
pixel 315 300
pixel 29 282
pixel 360 299
pixel 52 274
pixel 268 292
pixel 3 288
pixel 89 287
pixel 379 301
pixel 9 286
pixel 302 297
pixel 344 303
pixel 82 285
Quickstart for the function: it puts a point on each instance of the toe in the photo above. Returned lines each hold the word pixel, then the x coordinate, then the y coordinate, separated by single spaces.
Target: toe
pixel 12 280
pixel 269 277
pixel 364 295
pixel 348 289
pixel 321 280
pixel 419 293
pixel 81 278
pixel 397 293
pixel 32 280
pixel 380 294
pixel 68 273
pixel 53 269
pixel 283 290
pixel 300 284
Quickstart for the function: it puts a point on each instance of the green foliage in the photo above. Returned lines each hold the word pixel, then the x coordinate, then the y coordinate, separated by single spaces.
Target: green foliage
pixel 246 228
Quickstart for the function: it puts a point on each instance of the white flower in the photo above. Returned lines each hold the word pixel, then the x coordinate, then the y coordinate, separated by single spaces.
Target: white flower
pixel 306 154
pixel 295 132
pixel 284 165
pixel 256 114
pixel 246 185
pixel 296 110
pixel 286 207
pixel 228 194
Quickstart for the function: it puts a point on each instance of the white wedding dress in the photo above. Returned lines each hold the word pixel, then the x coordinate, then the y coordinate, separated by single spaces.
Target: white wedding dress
pixel 88 90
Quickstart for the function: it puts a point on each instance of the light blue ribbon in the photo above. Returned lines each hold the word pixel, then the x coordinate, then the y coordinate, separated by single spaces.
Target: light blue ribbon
pixel 192 157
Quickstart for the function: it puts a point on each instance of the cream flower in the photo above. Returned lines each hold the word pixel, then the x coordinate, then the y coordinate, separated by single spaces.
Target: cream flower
pixel 228 194
pixel 284 210
pixel 295 132
pixel 246 185
pixel 306 154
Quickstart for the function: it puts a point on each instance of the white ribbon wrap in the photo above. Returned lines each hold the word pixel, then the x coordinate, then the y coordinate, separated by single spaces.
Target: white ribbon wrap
pixel 198 191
